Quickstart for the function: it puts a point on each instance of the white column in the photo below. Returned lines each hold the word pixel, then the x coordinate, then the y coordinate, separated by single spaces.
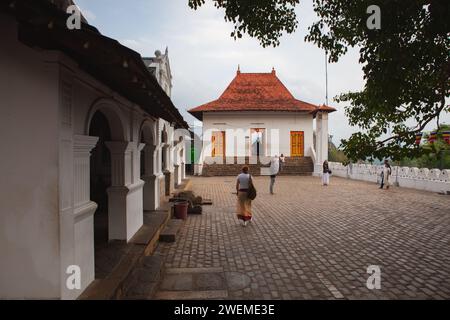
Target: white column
pixel 151 187
pixel 318 146
pixel 183 162
pixel 321 141
pixel 81 223
pixel 82 146
pixel 324 137
pixel 137 162
pixel 117 193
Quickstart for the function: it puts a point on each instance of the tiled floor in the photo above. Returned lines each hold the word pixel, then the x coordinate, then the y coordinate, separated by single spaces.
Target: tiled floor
pixel 313 242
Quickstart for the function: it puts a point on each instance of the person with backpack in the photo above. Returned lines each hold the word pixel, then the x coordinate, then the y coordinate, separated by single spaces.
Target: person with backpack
pixel 245 191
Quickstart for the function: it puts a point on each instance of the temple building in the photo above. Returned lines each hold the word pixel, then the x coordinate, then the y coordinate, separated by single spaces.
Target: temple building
pixel 92 141
pixel 256 117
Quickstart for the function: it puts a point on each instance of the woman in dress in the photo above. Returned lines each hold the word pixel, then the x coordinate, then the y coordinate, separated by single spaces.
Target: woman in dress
pixel 244 204
pixel 325 174
pixel 387 171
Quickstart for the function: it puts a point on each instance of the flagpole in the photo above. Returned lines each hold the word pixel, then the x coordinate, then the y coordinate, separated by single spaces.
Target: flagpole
pixel 326 77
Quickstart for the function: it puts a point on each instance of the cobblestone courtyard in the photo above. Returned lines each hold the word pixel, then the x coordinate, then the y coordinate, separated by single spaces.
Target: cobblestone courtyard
pixel 314 242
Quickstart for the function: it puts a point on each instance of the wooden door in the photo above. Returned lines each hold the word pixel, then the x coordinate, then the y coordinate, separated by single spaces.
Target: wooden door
pixel 297 144
pixel 218 144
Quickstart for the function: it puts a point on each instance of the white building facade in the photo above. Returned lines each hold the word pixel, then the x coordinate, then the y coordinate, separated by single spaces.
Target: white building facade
pixel 77 148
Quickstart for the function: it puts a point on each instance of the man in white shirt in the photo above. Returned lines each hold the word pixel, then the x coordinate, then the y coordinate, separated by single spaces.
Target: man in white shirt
pixel 274 169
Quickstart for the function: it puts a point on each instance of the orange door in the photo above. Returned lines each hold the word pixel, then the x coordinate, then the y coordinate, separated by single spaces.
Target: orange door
pixel 218 144
pixel 297 144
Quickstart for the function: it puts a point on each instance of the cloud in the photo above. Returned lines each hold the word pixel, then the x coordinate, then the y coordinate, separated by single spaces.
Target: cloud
pixel 204 57
pixel 88 14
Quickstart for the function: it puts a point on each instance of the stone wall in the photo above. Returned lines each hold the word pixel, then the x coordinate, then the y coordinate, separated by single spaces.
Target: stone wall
pixel 434 180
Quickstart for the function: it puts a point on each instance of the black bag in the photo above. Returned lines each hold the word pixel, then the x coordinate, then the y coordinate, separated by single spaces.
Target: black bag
pixel 329 171
pixel 251 192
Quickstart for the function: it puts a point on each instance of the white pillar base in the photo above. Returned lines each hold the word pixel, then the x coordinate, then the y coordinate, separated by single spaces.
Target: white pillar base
pixel 183 171
pixel 117 213
pixel 151 192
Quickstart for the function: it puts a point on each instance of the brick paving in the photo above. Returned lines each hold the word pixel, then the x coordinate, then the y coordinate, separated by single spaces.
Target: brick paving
pixel 313 242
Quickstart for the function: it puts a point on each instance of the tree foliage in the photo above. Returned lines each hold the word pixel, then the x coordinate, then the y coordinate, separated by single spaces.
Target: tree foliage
pixel 406 70
pixel 405 63
pixel 265 20
pixel 336 155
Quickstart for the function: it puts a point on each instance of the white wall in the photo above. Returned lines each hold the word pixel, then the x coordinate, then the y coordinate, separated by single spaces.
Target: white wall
pixel 434 180
pixel 46 215
pixel 29 221
pixel 284 122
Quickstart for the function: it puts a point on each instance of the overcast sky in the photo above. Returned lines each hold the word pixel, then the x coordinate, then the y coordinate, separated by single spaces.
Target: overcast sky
pixel 204 58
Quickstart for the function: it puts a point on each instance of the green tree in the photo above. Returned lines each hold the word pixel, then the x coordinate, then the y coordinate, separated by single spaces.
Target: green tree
pixel 406 62
pixel 435 155
pixel 336 155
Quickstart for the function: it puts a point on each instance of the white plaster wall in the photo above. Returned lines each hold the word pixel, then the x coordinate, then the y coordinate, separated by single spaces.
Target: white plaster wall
pixel 29 221
pixel 46 218
pixel 284 122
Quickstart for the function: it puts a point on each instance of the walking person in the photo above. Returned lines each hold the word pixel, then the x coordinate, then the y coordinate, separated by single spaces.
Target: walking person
pixel 282 159
pixel 326 174
pixel 244 204
pixel 274 169
pixel 387 171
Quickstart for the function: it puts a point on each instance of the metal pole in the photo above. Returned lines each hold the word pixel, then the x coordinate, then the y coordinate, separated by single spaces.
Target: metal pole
pixel 326 77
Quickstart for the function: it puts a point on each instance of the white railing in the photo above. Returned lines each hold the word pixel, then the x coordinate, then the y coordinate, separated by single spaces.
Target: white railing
pixel 434 180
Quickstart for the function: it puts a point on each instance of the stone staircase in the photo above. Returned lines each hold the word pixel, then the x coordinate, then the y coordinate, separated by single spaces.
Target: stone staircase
pixel 300 166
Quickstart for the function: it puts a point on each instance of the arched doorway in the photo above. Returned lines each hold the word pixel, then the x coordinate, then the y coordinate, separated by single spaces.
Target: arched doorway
pixel 100 181
pixel 108 178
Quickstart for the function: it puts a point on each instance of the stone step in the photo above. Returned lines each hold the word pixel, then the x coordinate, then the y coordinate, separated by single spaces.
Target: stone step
pixel 169 233
pixel 143 281
pixel 143 243
pixel 292 166
pixel 111 286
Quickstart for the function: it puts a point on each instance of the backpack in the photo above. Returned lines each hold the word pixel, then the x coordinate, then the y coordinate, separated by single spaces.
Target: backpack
pixel 251 192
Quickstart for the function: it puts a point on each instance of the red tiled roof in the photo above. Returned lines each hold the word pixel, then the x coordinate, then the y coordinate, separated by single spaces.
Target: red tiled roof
pixel 257 92
pixel 325 108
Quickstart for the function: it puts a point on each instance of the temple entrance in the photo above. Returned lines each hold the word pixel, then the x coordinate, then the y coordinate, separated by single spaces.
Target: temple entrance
pixel 218 144
pixel 297 144
pixel 257 140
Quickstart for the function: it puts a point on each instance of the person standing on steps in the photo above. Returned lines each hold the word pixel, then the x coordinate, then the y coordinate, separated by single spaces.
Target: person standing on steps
pixel 274 169
pixel 282 159
pixel 244 204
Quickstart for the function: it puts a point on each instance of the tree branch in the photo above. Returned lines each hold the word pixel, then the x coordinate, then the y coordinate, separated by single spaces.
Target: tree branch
pixel 422 126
